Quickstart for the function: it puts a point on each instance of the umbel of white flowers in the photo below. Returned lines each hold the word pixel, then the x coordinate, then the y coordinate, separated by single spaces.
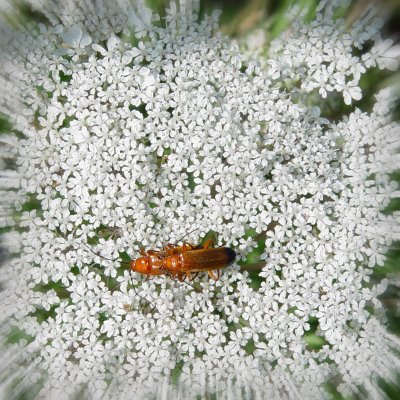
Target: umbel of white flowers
pixel 130 130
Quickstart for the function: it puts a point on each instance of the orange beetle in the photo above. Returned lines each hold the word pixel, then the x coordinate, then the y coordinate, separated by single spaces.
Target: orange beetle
pixel 180 261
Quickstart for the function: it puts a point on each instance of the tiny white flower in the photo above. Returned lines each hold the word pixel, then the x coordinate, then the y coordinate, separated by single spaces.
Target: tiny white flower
pixel 350 91
pixel 75 39
pixel 136 130
pixel 385 54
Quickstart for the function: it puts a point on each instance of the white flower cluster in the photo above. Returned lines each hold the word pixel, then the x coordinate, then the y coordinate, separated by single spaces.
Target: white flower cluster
pixel 320 55
pixel 129 132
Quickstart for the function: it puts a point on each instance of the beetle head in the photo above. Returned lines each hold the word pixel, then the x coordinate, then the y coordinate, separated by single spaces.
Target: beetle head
pixel 141 265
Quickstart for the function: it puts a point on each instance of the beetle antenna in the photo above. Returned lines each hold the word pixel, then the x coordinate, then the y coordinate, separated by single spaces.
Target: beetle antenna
pixel 130 274
pixel 185 235
pixel 105 258
pixel 134 289
pixel 194 287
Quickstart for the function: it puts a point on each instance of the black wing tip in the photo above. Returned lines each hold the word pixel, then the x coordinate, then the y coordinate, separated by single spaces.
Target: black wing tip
pixel 231 254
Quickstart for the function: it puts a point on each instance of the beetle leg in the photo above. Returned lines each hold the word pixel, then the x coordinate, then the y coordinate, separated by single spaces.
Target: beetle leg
pixel 208 244
pixel 212 275
pixel 181 277
pixel 195 275
pixel 142 251
pixel 169 249
pixel 152 252
pixel 187 247
pixel 167 272
pixel 189 275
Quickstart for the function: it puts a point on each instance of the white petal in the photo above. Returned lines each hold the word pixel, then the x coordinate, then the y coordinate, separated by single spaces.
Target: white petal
pixel 85 40
pixel 355 93
pixel 112 42
pixel 347 97
pixel 100 49
pixel 73 36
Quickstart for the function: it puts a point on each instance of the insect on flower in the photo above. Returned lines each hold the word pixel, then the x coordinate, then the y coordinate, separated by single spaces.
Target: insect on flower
pixel 181 261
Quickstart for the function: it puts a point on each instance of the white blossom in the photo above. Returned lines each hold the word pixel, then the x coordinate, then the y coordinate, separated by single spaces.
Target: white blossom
pixel 132 130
